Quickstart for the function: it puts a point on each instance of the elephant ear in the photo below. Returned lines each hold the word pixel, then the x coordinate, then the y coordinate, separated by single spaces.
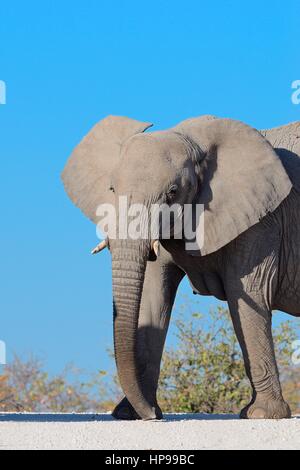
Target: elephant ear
pixel 87 174
pixel 241 177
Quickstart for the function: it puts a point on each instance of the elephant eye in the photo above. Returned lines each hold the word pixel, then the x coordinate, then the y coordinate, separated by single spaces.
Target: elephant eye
pixel 112 189
pixel 172 191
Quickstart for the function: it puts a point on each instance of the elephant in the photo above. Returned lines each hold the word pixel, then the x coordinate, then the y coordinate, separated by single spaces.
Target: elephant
pixel 248 182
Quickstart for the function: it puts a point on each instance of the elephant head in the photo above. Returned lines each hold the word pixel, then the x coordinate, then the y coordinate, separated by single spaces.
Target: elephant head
pixel 223 164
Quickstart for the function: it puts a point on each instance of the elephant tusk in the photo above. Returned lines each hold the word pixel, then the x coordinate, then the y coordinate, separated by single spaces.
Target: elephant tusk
pixel 155 247
pixel 101 246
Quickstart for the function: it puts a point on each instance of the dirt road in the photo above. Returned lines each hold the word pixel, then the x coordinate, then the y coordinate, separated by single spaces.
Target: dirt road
pixel 178 431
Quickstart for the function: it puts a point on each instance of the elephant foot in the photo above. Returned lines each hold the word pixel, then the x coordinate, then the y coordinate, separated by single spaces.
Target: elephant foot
pixel 266 409
pixel 125 411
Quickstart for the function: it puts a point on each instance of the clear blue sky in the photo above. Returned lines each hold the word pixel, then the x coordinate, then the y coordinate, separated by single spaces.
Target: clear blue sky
pixel 68 64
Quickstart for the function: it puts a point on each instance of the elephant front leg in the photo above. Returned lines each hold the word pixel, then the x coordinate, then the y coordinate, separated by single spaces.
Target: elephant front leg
pixel 252 322
pixel 159 291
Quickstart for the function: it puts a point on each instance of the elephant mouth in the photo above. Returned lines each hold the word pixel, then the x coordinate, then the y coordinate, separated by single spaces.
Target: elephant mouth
pixel 154 250
pixel 153 253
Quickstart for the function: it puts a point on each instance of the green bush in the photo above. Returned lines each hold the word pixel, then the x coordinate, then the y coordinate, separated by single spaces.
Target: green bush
pixel 202 372
pixel 26 386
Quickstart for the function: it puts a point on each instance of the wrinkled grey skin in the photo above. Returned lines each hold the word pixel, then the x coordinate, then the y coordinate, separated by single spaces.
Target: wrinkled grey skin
pixel 251 251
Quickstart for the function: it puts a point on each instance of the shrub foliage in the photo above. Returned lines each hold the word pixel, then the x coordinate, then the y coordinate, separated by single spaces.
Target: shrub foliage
pixel 202 372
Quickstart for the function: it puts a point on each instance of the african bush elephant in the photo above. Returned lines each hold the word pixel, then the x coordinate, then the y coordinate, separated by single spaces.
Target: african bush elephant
pixel 249 183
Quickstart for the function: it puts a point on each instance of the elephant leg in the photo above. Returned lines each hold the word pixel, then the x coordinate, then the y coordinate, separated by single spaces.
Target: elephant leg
pixel 160 286
pixel 252 322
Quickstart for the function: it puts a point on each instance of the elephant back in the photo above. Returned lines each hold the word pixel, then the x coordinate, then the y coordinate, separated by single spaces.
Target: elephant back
pixel 286 142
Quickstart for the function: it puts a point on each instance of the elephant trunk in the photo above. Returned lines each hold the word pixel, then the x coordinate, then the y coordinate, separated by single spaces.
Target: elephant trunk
pixel 129 260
